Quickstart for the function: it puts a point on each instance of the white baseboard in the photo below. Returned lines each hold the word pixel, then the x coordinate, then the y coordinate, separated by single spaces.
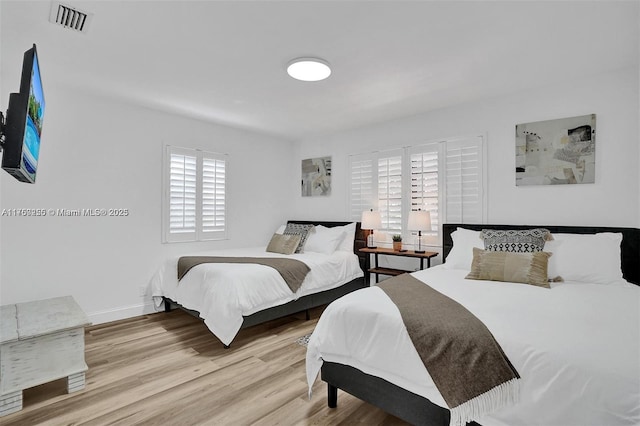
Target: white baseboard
pixel 122 312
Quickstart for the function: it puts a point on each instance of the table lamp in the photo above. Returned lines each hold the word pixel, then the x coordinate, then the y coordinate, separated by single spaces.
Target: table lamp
pixel 419 221
pixel 371 220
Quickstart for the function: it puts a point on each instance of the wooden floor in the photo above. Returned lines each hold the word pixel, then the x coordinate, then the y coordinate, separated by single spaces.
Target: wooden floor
pixel 167 368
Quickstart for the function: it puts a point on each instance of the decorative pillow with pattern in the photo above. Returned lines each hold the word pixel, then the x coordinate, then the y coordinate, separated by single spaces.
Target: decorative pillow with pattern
pixel 515 241
pixel 299 229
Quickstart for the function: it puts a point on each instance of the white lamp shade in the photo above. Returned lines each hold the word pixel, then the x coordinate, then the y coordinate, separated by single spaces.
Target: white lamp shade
pixel 371 220
pixel 419 221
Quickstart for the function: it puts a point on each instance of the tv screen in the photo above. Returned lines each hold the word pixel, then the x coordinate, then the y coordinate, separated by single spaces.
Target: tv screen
pixel 24 122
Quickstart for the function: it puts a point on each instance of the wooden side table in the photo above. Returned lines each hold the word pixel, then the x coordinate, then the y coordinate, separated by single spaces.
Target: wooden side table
pixel 40 342
pixel 389 252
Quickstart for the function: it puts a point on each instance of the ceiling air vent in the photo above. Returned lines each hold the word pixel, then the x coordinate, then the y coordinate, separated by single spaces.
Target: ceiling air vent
pixel 70 17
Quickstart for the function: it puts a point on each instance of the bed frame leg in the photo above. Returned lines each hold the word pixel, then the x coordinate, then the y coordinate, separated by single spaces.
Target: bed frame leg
pixel 167 304
pixel 306 315
pixel 332 396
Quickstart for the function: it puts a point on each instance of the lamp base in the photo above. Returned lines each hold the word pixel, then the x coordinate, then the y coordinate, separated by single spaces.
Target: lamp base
pixel 370 241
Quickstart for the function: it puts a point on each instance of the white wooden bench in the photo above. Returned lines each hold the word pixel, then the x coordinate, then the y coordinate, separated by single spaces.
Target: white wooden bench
pixel 40 342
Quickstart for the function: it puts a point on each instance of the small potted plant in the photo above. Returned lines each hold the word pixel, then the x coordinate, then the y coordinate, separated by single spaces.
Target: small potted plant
pixel 397 242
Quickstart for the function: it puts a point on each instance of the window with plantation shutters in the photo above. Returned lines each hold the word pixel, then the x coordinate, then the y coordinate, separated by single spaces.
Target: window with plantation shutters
pixel 195 195
pixel 376 183
pixel 445 178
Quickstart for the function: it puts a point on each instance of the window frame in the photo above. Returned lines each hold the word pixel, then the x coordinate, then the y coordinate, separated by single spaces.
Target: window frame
pixel 199 233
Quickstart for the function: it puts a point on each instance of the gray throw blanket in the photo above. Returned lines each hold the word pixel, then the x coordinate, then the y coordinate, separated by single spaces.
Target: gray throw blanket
pixel 466 363
pixel 292 271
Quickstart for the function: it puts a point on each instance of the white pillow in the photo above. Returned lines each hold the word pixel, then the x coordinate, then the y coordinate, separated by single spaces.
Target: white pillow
pixel 586 258
pixel 349 236
pixel 324 240
pixel 461 255
pixel 281 229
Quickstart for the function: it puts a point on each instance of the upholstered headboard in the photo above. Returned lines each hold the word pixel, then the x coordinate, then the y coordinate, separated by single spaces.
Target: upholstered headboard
pixel 359 242
pixel 630 246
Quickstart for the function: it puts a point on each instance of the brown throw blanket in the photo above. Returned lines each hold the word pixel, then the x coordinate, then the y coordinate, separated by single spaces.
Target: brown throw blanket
pixel 466 363
pixel 292 271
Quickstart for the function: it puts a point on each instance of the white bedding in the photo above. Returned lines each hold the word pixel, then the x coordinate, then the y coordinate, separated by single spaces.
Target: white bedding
pixel 222 293
pixel 576 346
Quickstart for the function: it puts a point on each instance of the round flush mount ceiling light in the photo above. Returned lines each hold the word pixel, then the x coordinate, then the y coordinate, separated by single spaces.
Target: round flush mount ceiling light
pixel 309 69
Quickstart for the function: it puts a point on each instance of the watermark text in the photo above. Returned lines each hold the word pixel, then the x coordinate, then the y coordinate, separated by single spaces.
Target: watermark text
pixel 59 212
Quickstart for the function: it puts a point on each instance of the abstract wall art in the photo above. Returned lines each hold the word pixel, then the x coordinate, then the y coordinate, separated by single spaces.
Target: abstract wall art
pixel 316 177
pixel 556 152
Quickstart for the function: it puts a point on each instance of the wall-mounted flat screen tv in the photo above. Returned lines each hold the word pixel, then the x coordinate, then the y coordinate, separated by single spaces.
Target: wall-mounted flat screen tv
pixel 23 127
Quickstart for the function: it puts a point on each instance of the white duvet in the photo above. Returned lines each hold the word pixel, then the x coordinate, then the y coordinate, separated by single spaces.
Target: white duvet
pixel 223 293
pixel 576 346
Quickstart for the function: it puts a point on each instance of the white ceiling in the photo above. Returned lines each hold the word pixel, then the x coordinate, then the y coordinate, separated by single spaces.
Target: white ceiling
pixel 225 61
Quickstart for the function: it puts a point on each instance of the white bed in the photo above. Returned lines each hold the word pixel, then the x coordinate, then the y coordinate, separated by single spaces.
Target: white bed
pixel 576 345
pixel 224 293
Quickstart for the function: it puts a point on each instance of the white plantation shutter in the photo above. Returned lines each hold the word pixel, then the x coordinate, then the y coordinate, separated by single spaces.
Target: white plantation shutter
pixel 214 206
pixel 182 194
pixel 361 193
pixel 463 171
pixel 424 186
pixel 195 198
pixel 390 192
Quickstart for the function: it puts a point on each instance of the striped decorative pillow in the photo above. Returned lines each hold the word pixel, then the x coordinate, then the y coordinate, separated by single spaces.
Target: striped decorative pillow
pixel 526 268
pixel 284 244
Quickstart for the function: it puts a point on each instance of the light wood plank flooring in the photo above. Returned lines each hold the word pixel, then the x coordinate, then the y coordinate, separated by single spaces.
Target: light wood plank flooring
pixel 167 368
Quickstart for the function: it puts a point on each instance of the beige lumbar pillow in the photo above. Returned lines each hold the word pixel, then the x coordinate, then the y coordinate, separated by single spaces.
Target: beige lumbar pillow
pixel 526 268
pixel 284 244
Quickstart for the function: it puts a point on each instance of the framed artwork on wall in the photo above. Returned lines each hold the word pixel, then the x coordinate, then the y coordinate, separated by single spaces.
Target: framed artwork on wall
pixel 556 152
pixel 316 177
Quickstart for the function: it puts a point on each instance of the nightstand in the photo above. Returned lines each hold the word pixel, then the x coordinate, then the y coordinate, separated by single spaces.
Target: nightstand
pixel 389 252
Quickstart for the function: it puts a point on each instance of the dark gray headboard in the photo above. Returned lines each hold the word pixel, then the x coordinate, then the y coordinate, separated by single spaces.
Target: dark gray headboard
pixel 630 247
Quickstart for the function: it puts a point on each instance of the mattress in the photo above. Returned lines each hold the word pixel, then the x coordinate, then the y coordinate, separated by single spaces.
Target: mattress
pixel 223 293
pixel 576 345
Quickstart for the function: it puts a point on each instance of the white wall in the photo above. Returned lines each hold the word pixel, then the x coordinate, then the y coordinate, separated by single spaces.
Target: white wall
pixel 614 200
pixel 97 153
